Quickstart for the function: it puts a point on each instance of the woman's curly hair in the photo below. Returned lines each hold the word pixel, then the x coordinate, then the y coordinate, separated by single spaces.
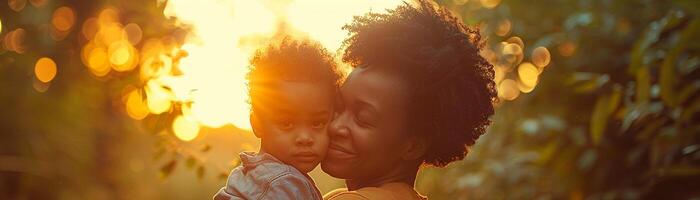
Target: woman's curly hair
pixel 452 85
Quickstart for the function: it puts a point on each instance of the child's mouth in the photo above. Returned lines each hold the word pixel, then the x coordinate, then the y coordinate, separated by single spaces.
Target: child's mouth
pixel 305 156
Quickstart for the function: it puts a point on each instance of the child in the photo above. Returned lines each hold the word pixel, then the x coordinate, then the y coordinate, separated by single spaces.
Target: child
pixel 292 88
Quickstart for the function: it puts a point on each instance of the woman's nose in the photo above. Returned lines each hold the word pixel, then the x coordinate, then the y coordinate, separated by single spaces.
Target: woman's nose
pixel 338 127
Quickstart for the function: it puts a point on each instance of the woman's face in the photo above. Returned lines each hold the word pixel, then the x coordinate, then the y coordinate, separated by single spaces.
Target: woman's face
pixel 368 132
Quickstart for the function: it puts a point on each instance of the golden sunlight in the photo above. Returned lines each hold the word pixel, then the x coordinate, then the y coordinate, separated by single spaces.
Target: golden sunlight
pixel 323 20
pixel 210 85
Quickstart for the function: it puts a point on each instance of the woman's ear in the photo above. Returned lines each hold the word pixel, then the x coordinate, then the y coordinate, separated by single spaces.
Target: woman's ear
pixel 256 125
pixel 415 148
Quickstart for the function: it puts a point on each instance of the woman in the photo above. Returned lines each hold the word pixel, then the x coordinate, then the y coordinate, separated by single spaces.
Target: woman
pixel 419 93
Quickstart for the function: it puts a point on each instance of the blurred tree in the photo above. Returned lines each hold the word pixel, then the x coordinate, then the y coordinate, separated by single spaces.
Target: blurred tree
pixel 615 116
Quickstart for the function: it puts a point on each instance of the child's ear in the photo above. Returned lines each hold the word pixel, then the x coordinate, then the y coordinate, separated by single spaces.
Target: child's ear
pixel 256 125
pixel 415 148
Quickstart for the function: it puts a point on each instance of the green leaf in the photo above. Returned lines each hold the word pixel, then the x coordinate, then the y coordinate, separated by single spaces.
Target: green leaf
pixel 190 162
pixel 615 98
pixel 545 154
pixel 643 86
pixel 604 107
pixel 206 148
pixel 651 128
pixel 651 35
pixel 583 82
pixel 200 172
pixel 599 119
pixel 168 168
pixel 668 78
pixel 678 171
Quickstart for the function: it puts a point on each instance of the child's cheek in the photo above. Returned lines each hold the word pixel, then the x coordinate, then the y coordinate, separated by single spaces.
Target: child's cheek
pixel 323 142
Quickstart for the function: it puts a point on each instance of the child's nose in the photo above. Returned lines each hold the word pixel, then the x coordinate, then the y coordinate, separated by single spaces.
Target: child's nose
pixel 304 139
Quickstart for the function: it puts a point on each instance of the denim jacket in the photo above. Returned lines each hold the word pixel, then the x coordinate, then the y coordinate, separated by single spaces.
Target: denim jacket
pixel 262 176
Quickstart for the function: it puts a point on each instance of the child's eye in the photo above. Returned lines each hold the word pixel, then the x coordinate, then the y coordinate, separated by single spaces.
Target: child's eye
pixel 318 125
pixel 285 125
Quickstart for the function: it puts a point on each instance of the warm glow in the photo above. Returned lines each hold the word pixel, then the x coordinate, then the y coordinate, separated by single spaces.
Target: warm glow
pixel 40 86
pixel 567 48
pixel 158 99
pixel 90 28
pixel 45 69
pixel 135 107
pixel 14 41
pixel 508 89
pixel 503 28
pixel 323 20
pixel 122 56
pixel 97 61
pixel 17 5
pixel 541 57
pixel 38 3
pixel 185 129
pixel 516 40
pixel 490 3
pixel 512 52
pixel 528 75
pixel 63 19
pixel 133 33
pixel 223 37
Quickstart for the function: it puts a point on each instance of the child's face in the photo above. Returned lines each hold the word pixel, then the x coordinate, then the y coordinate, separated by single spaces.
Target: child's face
pixel 292 123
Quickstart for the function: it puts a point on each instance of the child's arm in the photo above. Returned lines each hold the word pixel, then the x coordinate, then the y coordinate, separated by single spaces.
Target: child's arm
pixel 223 195
pixel 288 186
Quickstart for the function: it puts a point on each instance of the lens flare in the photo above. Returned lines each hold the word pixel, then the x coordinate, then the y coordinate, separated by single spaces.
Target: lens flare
pixel 45 69
pixel 541 56
pixel 224 35
pixel 17 5
pixel 185 129
pixel 63 19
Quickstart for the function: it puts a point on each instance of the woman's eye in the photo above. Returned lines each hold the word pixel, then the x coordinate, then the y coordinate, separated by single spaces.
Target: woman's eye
pixel 362 119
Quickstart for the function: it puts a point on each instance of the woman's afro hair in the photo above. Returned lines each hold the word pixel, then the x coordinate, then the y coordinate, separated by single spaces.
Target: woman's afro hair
pixel 452 85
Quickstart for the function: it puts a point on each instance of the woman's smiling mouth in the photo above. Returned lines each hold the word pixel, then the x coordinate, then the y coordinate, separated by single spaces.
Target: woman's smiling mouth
pixel 338 151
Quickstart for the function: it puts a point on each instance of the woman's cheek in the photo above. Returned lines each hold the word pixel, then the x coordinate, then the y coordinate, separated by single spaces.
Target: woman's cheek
pixel 364 142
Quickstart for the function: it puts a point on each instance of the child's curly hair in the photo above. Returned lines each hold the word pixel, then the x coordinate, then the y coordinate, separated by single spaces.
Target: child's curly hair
pixel 291 60
pixel 452 85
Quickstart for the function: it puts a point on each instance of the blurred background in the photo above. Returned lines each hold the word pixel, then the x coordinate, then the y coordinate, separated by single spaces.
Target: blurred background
pixel 109 99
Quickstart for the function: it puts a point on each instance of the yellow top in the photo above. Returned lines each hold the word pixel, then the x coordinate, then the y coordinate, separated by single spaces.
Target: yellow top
pixel 387 191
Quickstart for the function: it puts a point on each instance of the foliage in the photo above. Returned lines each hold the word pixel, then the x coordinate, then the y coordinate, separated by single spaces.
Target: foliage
pixel 615 120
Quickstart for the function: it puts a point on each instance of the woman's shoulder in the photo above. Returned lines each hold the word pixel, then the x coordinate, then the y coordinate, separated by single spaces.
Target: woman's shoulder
pixel 388 191
pixel 366 193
